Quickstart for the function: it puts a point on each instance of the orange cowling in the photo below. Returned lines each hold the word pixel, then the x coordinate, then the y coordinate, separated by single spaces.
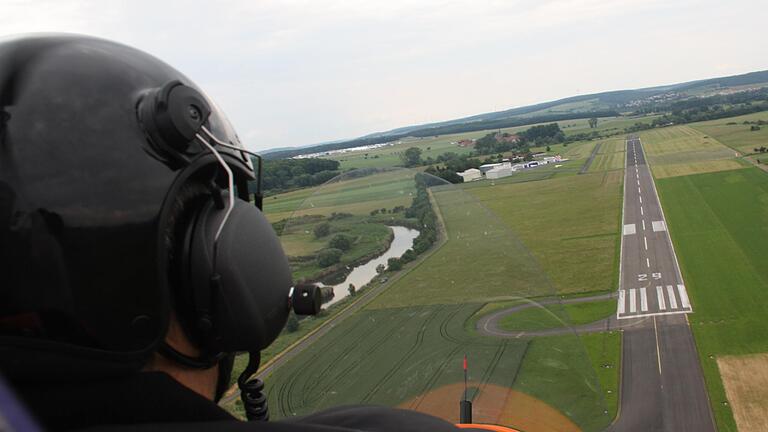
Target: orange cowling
pixel 493 428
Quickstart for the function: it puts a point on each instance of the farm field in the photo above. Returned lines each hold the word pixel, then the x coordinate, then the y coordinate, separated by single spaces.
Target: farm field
pixel 733 133
pixel 345 194
pixel 681 145
pixel 717 223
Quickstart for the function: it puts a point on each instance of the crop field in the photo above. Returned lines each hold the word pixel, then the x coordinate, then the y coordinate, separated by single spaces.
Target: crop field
pixel 349 195
pixel 717 223
pixel 733 133
pixel 746 384
pixel 681 144
pixel 683 169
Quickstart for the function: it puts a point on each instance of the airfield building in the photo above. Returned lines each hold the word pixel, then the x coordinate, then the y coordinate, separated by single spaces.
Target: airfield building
pixel 505 170
pixel 471 174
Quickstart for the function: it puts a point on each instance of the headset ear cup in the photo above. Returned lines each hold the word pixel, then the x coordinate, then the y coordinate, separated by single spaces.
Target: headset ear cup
pixel 246 294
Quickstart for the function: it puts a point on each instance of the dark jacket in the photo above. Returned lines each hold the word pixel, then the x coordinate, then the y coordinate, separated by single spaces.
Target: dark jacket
pixel 155 401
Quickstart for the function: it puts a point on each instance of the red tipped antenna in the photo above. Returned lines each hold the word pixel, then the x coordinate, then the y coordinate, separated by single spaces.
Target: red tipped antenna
pixel 465 406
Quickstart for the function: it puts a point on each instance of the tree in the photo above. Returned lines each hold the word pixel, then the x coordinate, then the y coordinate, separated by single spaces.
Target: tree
pixel 292 325
pixel 394 264
pixel 549 149
pixel 341 241
pixel 322 229
pixel 411 156
pixel 352 290
pixel 380 268
pixel 328 257
pixel 593 122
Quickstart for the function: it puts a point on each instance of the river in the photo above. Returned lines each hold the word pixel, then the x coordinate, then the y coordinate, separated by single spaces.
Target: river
pixel 362 274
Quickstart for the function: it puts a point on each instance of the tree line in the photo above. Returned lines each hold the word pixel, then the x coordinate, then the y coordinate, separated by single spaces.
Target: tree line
pixel 285 174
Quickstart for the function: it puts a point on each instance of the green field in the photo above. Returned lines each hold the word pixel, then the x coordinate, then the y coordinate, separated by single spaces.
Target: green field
pixel 733 133
pixel 556 316
pixel 346 194
pixel 718 225
pixel 681 144
pixel 389 156
pixel 610 156
pixel 410 339
pixel 570 224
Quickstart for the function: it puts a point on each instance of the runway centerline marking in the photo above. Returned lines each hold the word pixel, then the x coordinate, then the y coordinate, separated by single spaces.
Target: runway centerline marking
pixel 672 299
pixel 648 263
pixel 645 241
pixel 643 224
pixel 641 211
pixel 660 297
pixel 641 200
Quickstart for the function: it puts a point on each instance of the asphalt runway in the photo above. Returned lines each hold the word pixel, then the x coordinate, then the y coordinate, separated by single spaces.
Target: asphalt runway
pixel 662 384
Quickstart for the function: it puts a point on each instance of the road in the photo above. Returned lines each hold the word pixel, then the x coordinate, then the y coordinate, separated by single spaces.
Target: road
pixel 662 384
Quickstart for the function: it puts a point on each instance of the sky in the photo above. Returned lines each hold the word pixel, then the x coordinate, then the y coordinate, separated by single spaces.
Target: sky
pixel 291 73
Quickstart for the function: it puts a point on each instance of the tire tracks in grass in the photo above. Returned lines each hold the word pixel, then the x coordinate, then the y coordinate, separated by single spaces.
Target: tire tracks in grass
pixel 393 370
pixel 433 379
pixel 286 389
pixel 310 389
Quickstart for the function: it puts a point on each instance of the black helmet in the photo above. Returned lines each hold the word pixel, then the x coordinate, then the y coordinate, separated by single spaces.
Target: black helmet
pixel 101 234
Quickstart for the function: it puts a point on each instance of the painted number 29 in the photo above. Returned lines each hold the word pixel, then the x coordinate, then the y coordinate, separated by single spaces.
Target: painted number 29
pixel 642 277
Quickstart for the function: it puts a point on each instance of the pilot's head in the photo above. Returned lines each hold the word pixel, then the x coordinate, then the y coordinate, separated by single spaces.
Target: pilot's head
pixel 118 237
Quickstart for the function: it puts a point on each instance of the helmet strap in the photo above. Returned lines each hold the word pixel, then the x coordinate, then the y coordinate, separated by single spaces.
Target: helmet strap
pixel 202 362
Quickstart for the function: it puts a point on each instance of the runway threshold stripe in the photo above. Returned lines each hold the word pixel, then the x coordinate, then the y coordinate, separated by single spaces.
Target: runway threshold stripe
pixel 660 298
pixel 684 297
pixel 672 299
pixel 632 301
pixel 643 300
pixel 621 301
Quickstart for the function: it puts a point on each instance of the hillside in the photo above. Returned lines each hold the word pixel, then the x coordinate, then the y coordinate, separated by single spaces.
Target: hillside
pixel 604 104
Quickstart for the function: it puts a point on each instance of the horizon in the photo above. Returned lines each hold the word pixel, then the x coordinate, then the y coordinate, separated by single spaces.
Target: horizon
pixel 296 73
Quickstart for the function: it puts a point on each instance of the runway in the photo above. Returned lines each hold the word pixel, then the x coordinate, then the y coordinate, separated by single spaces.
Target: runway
pixel 662 384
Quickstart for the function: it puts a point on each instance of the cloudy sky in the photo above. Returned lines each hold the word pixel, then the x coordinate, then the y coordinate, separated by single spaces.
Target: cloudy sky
pixel 300 72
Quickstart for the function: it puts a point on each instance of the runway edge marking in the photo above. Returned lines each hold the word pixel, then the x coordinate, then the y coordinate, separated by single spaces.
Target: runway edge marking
pixel 623 205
